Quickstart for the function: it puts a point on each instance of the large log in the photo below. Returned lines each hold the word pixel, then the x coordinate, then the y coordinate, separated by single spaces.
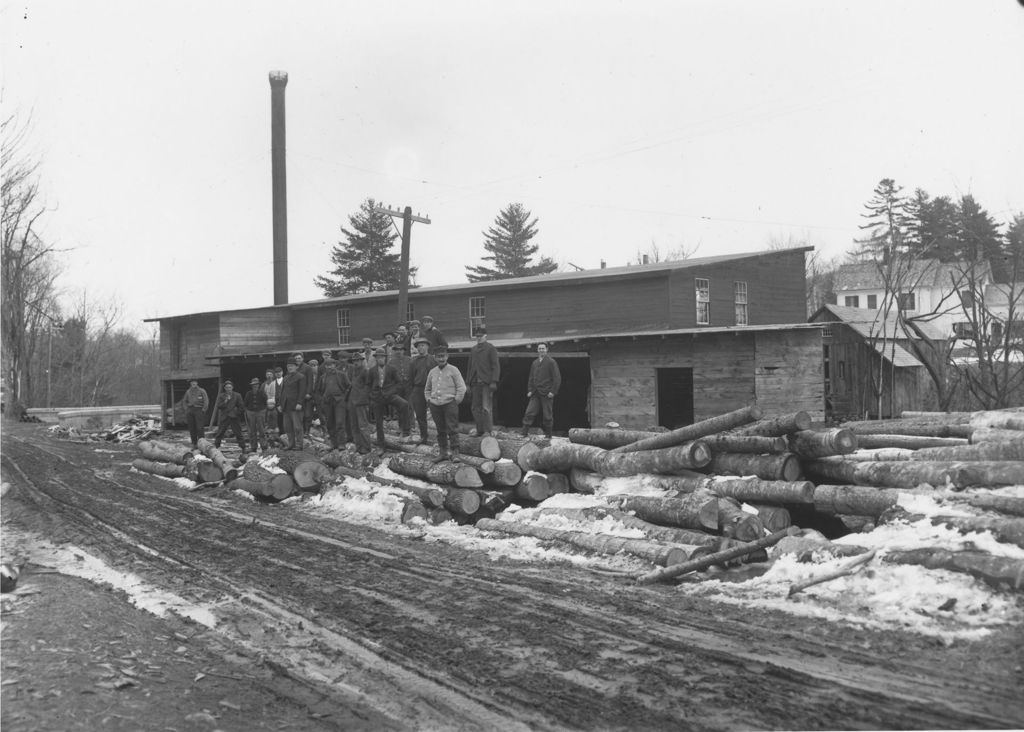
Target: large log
pixel 282 485
pixel 202 470
pixel 854 499
pixel 1007 530
pixel 908 442
pixel 777 426
pixel 920 427
pixel 996 571
pixel 462 502
pixel 483 465
pixel 505 473
pixel 155 467
pixel 561 457
pixel 413 509
pixel 994 502
pixel 945 417
pixel 607 437
pixel 909 474
pixel 431 497
pixel 344 458
pixel 756 444
pixel 742 489
pixel 697 511
pixel 559 483
pixel 534 487
pixel 670 534
pixel 879 455
pixel 983 451
pixel 310 474
pixel 768 467
pixel 258 488
pixel 165 452
pixel 694 431
pixel 994 434
pixel 227 468
pixel 774 518
pixel 485 447
pixel 660 554
pixel 695 565
pixel 491 503
pixel 992 472
pixel 736 523
pixel 820 443
pixel 443 473
pixel 998 419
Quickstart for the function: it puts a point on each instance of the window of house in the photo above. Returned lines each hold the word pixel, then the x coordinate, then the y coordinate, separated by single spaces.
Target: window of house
pixel 873 301
pixel 963 329
pixel 997 331
pixel 842 369
pixel 852 301
pixel 826 332
pixel 740 302
pixel 703 291
pixel 966 299
pixel 344 327
pixel 477 313
pixel 908 301
pixel 410 312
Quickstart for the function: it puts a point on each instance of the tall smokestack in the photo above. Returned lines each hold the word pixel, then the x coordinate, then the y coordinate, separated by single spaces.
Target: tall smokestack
pixel 278 81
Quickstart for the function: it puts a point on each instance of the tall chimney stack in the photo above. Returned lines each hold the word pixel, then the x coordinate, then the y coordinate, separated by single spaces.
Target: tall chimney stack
pixel 278 81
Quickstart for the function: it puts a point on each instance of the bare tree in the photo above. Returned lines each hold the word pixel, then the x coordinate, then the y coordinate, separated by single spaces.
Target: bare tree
pixel 28 270
pixel 654 254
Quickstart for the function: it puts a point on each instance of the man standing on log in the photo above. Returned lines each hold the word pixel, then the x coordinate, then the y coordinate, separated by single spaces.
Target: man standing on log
pixel 334 390
pixel 229 410
pixel 400 361
pixel 383 383
pixel 445 391
pixel 419 367
pixel 278 383
pixel 545 380
pixel 433 335
pixel 309 377
pixel 196 401
pixel 256 414
pixel 269 387
pixel 291 400
pixel 483 375
pixel 358 403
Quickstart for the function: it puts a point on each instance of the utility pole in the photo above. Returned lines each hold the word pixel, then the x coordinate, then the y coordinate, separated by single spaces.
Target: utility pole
pixel 403 283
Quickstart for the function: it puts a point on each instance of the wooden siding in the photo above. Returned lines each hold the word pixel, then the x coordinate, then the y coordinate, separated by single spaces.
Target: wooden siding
pixel 269 328
pixel 775 291
pixel 624 377
pixel 197 336
pixel 788 372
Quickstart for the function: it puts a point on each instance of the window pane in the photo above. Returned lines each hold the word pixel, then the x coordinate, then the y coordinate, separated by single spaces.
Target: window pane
pixel 873 301
pixel 852 301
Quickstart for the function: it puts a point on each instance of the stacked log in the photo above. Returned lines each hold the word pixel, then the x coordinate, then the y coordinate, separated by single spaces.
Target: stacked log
pixel 444 473
pixel 564 456
pixel 227 468
pixel 165 452
pixel 170 460
pixel 155 467
pixel 695 431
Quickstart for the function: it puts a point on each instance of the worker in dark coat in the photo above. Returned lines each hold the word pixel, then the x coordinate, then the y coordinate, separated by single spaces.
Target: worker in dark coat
pixel 419 366
pixel 358 403
pixel 196 401
pixel 229 412
pixel 291 399
pixel 541 389
pixel 433 335
pixel 255 402
pixel 334 388
pixel 482 376
pixel 383 383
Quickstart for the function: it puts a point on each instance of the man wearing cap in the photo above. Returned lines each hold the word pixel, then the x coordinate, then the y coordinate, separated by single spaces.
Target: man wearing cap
pixel 270 389
pixel 358 423
pixel 432 334
pixel 483 375
pixel 368 350
pixel 255 402
pixel 414 332
pixel 419 366
pixel 400 361
pixel 334 390
pixel 402 336
pixel 445 390
pixel 309 376
pixel 389 343
pixel 291 400
pixel 545 380
pixel 383 383
pixel 278 383
pixel 229 410
pixel 195 401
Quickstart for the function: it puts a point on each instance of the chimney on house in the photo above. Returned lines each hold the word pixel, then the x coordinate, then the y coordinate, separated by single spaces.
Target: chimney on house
pixel 647 259
pixel 278 81
pixel 603 264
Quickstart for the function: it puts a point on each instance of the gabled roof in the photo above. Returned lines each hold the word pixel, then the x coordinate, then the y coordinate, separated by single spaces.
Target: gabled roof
pixel 914 274
pixel 896 355
pixel 872 323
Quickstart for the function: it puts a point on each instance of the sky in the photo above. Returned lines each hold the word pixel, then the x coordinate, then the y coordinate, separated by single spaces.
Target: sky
pixel 711 127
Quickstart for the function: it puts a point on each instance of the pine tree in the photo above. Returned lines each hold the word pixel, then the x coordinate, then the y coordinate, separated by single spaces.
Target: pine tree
pixel 977 235
pixel 890 224
pixel 935 223
pixel 365 262
pixel 509 248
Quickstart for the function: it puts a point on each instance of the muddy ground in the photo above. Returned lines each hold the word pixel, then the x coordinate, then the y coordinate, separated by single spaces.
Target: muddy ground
pixel 322 624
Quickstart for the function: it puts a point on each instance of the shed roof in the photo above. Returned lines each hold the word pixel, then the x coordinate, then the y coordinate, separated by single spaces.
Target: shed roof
pixel 896 355
pixel 872 323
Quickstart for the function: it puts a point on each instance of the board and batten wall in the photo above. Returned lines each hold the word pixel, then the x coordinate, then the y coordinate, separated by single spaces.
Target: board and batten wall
pixel 779 370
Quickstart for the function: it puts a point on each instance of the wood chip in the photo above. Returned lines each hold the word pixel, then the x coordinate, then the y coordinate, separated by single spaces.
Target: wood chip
pixel 229 705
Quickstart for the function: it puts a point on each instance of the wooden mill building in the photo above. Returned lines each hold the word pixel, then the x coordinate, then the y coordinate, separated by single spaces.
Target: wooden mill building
pixel 659 344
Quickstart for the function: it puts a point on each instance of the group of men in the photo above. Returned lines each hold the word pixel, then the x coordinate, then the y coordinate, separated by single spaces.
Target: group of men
pixel 370 385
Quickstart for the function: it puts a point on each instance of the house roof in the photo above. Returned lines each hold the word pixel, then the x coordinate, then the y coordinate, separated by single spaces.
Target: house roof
pixel 640 270
pixel 873 323
pixel 914 274
pixel 896 355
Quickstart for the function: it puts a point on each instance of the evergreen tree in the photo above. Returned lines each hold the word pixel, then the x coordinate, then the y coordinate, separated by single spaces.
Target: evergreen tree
pixel 509 248
pixel 365 262
pixel 978 236
pixel 890 224
pixel 935 223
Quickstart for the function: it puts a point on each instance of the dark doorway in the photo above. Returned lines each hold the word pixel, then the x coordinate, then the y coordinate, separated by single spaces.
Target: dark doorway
pixel 675 397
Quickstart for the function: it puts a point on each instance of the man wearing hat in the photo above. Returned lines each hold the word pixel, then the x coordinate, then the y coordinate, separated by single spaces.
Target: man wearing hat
pixel 419 366
pixel 368 352
pixel 389 337
pixel 229 410
pixel 445 391
pixel 541 388
pixel 414 331
pixel 255 402
pixel 384 383
pixel 402 336
pixel 400 360
pixel 432 334
pixel 291 398
pixel 358 403
pixel 483 375
pixel 334 388
pixel 278 383
pixel 195 401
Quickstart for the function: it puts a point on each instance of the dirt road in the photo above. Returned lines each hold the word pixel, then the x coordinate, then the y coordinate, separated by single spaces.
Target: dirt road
pixel 406 634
